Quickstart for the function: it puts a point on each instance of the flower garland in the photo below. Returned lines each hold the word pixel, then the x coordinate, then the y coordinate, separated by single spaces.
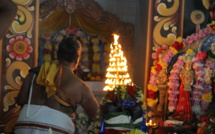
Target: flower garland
pixel 197 36
pixel 212 27
pixel 198 87
pixel 162 64
pixel 174 83
pixel 207 92
pixel 96 54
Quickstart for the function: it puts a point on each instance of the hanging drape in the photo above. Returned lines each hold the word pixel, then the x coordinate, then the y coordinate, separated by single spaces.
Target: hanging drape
pixel 60 19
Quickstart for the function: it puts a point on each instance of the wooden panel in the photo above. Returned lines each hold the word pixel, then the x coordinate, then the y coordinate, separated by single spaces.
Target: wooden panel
pixel 19 52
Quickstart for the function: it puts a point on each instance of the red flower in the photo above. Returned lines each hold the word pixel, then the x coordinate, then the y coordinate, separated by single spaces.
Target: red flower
pixel 151 94
pixel 177 45
pixel 111 95
pixel 140 102
pixel 201 55
pixel 161 123
pixel 68 31
pixel 158 67
pixel 205 119
pixel 131 90
pixel 169 125
pixel 186 126
pixel 46 51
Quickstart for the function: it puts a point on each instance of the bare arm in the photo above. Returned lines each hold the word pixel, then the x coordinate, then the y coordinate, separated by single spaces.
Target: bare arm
pixel 89 103
pixel 8 11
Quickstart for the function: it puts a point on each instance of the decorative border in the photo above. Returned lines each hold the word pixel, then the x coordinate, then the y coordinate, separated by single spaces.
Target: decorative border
pixel 19 52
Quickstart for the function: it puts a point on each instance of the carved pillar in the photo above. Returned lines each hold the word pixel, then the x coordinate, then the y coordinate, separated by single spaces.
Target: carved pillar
pixel 19 52
pixel 165 24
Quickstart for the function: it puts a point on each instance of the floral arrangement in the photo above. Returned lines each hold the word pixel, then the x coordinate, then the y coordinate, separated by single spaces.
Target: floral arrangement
pixel 206 125
pixel 201 34
pixel 125 94
pixel 207 90
pixel 174 83
pixel 212 26
pixel 161 64
pixel 83 124
pixel 198 66
pixel 124 98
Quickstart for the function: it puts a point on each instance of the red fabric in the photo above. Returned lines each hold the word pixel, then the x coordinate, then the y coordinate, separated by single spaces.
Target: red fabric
pixel 183 110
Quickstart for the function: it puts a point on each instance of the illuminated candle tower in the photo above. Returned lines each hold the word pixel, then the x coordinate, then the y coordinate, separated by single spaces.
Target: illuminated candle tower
pixel 117 70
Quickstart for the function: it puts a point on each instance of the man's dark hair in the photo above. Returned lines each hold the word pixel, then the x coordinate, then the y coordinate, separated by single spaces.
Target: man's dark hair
pixel 68 50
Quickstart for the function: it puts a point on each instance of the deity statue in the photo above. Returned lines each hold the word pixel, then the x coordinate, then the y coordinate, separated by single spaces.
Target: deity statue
pixel 183 110
pixel 161 81
pixel 187 74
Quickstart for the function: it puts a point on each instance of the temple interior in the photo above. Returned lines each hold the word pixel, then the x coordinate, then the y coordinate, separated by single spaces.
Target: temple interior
pixel 165 51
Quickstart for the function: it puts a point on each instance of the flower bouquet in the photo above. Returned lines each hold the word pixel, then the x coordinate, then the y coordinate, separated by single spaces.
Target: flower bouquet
pixel 122 110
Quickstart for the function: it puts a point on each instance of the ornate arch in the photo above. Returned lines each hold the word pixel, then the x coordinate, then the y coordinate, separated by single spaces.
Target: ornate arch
pixel 89 9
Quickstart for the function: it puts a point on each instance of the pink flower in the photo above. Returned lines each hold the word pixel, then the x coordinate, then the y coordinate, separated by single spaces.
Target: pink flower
pixel 19 48
pixel 207 30
pixel 158 50
pixel 68 31
pixel 201 34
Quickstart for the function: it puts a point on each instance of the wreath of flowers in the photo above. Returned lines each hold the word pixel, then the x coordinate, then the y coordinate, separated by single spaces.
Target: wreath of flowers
pixel 174 80
pixel 162 64
pixel 174 83
pixel 198 86
pixel 207 90
pixel 201 34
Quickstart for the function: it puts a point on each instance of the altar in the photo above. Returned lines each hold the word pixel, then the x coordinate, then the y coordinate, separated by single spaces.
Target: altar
pixel 97 88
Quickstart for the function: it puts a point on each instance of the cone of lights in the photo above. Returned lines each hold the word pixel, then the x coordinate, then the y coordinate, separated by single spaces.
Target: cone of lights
pixel 117 70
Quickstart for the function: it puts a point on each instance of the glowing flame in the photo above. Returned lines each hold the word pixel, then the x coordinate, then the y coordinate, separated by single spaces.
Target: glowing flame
pixel 117 71
pixel 116 37
pixel 150 123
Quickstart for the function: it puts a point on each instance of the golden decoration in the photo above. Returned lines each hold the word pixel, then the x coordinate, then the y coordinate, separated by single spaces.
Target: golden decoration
pixel 14 82
pixel 20 47
pixel 23 22
pixel 197 17
pixel 166 19
pixel 206 4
